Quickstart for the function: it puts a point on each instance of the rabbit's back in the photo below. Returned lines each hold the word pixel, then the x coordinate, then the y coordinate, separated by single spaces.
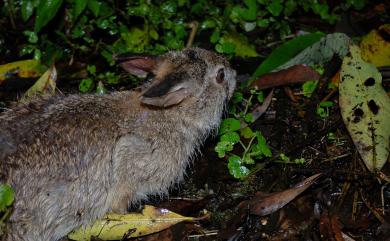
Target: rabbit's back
pixel 59 163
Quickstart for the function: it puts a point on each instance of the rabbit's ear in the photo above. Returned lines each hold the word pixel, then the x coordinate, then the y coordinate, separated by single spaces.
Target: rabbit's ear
pixel 137 65
pixel 170 91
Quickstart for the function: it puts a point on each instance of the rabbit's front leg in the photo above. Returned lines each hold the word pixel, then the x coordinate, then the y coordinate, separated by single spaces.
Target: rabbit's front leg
pixel 131 165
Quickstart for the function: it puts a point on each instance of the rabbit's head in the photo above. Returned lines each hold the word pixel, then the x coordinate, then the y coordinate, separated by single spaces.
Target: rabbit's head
pixel 194 74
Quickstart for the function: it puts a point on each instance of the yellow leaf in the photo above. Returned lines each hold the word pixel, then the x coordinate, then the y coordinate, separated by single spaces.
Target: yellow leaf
pixel 44 86
pixel 117 226
pixel 365 108
pixel 375 49
pixel 21 69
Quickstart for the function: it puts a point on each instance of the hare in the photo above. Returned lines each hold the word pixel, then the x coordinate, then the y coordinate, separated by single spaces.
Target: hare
pixel 73 159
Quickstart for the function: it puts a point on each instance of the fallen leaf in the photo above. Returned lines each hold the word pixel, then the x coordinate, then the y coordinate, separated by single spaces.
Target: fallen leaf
pixel 286 52
pixel 44 86
pixel 330 227
pixel 116 226
pixel 257 112
pixel 375 47
pixel 321 52
pixel 22 69
pixel 294 74
pixel 263 205
pixel 365 108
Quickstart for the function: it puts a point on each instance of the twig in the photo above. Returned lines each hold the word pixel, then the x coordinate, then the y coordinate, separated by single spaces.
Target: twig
pixel 194 28
pixel 376 214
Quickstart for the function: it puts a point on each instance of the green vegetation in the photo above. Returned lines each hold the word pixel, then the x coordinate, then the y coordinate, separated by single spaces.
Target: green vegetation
pixel 91 32
pixel 236 130
pixel 103 27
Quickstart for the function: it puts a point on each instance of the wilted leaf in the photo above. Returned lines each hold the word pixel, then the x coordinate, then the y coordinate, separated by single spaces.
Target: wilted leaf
pixel 375 46
pixel 285 52
pixel 264 205
pixel 319 53
pixel 115 226
pixel 44 86
pixel 6 196
pixel 365 108
pixel 292 75
pixel 22 69
pixel 330 227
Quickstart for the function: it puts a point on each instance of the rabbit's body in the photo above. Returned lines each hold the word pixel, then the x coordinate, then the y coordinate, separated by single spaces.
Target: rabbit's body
pixel 73 159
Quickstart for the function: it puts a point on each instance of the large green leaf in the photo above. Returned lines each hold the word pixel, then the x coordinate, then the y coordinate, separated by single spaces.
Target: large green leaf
pixel 45 12
pixel 365 108
pixel 79 6
pixel 285 52
pixel 27 8
pixel 6 196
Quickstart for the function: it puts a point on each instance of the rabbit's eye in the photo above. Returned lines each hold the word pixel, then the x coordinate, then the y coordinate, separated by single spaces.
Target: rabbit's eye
pixel 220 76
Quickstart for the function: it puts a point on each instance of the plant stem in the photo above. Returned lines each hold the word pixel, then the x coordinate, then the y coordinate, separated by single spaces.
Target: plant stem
pixel 248 102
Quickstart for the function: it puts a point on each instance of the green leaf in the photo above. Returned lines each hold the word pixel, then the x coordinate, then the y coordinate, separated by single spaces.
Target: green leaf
pixel 231 137
pixel 237 97
pixel 308 87
pixel 79 7
pixel 275 8
pixel 260 97
pixel 263 23
pixel 7 195
pixel 32 36
pixel 284 158
pixel 321 112
pixel 248 160
pixel 358 4
pixel 247 14
pixel 94 6
pixel 222 147
pixel 326 103
pixel 247 132
pixel 248 118
pixel 215 36
pixel 234 42
pixel 365 108
pixel 86 85
pixel 236 168
pixel 27 8
pixel 225 48
pixel 208 23
pixel 285 52
pixel 91 69
pixel 289 7
pixel 46 11
pixel 229 125
pixel 261 145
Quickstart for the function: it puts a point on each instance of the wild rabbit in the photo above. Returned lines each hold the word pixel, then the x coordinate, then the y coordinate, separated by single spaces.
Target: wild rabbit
pixel 73 159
